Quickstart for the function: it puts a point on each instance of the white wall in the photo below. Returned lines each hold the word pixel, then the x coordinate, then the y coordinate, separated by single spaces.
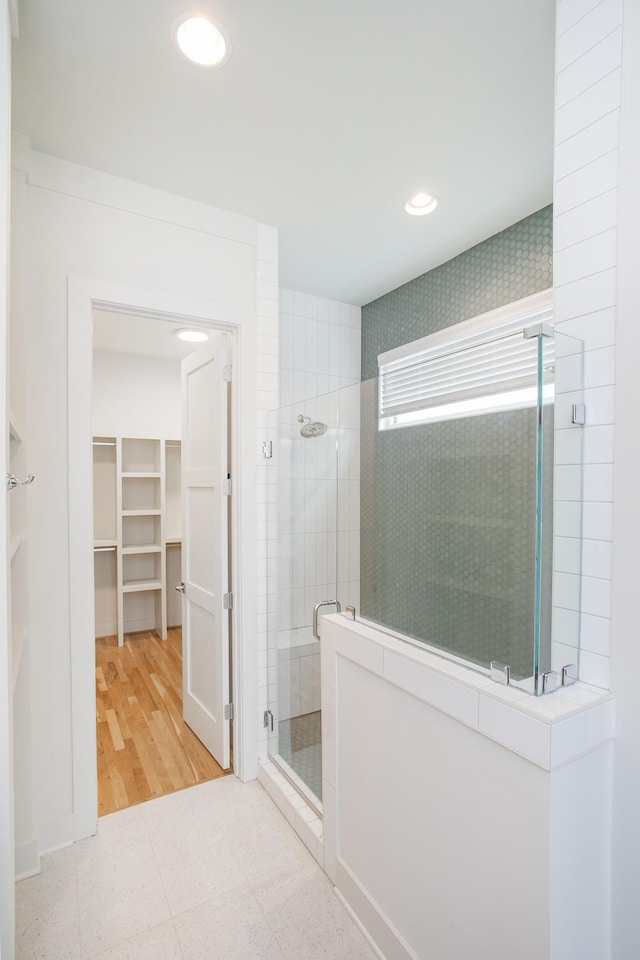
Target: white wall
pixel 588 72
pixel 625 659
pixel 488 833
pixel 87 230
pixel 136 396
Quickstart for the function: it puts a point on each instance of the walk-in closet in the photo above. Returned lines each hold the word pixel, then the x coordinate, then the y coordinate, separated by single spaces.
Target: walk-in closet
pixel 145 748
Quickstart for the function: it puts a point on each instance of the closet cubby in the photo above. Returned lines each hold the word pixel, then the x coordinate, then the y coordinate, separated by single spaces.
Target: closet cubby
pixel 141 493
pixel 137 504
pixel 141 530
pixel 141 457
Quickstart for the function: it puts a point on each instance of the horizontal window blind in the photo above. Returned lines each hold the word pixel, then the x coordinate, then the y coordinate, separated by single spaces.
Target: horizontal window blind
pixel 484 363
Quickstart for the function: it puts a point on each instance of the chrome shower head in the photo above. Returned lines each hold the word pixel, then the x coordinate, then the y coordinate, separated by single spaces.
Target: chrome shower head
pixel 311 428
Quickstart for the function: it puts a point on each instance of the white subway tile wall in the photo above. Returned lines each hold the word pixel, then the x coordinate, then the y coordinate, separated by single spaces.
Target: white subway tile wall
pixel 267 475
pixel 319 346
pixel 319 486
pixel 588 70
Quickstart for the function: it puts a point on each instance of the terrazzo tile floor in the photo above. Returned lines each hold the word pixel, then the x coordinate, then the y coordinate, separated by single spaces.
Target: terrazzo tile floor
pixel 300 744
pixel 211 872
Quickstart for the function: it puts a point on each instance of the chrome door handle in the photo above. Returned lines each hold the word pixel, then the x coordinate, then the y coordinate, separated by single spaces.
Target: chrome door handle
pixel 323 603
pixel 180 587
pixel 14 482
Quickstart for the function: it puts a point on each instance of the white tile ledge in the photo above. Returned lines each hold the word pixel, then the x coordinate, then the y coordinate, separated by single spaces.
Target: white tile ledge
pixel 549 731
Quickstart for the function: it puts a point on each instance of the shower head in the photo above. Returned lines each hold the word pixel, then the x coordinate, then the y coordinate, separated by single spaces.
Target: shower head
pixel 311 428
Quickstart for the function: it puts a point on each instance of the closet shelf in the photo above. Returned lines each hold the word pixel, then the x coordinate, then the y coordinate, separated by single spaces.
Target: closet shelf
pixel 135 586
pixel 101 544
pixel 141 548
pixel 173 541
pixel 141 476
pixel 141 513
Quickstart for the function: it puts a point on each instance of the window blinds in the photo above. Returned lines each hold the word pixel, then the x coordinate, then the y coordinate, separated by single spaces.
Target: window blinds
pixel 484 364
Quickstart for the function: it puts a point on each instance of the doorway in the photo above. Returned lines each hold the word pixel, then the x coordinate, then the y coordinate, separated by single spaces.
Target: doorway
pixel 160 509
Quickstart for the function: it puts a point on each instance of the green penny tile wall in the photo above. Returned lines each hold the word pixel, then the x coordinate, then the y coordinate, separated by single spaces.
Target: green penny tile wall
pixel 448 509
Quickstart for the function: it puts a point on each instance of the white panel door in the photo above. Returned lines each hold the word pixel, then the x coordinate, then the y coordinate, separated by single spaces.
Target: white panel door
pixel 7 871
pixel 205 565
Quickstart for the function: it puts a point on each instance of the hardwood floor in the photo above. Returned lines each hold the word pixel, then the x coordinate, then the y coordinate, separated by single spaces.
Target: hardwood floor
pixel 145 749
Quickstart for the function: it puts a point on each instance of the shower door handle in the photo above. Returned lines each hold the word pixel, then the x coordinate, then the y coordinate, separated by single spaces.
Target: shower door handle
pixel 323 603
pixel 12 481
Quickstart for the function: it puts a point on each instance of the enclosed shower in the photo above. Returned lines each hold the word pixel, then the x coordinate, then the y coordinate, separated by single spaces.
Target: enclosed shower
pixel 423 501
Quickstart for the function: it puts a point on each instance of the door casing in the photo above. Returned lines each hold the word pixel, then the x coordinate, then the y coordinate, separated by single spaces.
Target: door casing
pixel 84 296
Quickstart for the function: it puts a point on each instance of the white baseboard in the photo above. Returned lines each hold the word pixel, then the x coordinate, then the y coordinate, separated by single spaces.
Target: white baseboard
pixel 130 626
pixel 56 834
pixel 372 920
pixel 27 860
pixel 136 626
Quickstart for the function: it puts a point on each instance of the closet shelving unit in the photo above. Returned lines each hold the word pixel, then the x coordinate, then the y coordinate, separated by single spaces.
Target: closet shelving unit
pixel 137 509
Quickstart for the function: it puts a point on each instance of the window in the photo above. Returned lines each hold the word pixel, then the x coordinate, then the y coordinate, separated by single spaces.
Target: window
pixel 483 365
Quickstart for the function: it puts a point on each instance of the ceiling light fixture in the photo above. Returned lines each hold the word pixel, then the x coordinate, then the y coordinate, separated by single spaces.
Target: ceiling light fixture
pixel 420 204
pixel 201 41
pixel 192 336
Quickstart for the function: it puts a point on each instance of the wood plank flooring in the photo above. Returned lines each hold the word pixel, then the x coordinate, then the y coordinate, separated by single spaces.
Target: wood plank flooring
pixel 145 749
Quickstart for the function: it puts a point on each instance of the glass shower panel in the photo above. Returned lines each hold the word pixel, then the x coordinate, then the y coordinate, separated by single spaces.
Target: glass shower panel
pixel 307 535
pixel 457 540
pixel 448 532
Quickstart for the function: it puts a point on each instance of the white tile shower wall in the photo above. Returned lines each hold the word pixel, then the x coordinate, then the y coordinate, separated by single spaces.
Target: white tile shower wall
pixel 588 69
pixel 267 534
pixel 319 494
pixel 319 346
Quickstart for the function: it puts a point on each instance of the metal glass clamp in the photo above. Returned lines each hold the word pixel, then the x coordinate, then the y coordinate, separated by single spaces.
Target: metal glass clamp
pixel 500 672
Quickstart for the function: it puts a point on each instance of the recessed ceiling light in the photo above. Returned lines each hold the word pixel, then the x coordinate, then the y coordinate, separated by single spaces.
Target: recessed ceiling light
pixel 201 41
pixel 420 204
pixel 192 336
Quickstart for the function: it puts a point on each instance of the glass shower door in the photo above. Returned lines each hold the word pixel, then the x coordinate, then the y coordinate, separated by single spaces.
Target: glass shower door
pixel 307 574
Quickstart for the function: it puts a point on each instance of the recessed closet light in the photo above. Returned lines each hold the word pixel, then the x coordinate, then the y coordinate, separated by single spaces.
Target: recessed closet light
pixel 192 336
pixel 201 41
pixel 420 204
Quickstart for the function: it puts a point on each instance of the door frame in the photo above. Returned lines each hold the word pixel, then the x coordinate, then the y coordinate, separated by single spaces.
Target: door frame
pixel 84 295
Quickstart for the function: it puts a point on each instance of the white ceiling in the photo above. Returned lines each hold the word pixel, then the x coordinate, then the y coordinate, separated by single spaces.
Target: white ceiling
pixel 145 336
pixel 326 118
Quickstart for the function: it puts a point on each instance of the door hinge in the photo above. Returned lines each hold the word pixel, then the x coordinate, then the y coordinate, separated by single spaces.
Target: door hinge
pixel 227 601
pixel 226 374
pixel 226 487
pixel 267 720
pixel 228 711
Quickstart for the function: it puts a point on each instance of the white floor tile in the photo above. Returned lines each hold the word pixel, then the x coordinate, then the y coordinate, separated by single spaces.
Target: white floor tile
pixel 120 892
pixel 307 918
pixel 47 917
pixel 230 926
pixel 194 854
pixel 159 943
pixel 218 857
pixel 266 843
